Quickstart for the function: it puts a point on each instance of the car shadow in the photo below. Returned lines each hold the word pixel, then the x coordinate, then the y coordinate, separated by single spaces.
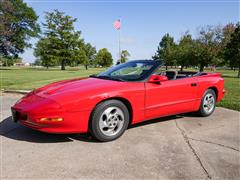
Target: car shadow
pixel 153 121
pixel 16 131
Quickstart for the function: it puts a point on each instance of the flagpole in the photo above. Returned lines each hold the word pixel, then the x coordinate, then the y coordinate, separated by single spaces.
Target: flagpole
pixel 117 26
pixel 119 45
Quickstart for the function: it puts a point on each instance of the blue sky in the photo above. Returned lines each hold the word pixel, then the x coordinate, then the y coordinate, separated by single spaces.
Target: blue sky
pixel 143 22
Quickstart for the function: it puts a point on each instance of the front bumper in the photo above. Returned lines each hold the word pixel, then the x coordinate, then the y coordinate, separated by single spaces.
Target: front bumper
pixel 30 110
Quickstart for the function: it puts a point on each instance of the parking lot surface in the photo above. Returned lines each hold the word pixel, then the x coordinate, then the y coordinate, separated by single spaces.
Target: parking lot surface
pixel 176 147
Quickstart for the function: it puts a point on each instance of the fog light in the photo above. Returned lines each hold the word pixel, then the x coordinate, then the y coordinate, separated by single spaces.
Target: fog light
pixel 51 119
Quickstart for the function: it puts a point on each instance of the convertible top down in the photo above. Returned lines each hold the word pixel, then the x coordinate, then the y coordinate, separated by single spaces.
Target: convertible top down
pixel 106 104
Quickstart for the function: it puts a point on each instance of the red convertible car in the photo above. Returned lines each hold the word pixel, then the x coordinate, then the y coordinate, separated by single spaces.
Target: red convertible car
pixel 106 104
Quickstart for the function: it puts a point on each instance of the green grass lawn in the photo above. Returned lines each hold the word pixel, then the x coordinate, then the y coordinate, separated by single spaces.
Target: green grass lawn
pixel 31 78
pixel 232 96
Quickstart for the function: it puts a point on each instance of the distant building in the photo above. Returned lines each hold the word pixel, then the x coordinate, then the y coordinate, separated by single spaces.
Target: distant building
pixel 20 64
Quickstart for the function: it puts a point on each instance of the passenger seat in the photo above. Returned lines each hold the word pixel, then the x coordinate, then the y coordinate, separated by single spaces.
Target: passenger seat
pixel 171 75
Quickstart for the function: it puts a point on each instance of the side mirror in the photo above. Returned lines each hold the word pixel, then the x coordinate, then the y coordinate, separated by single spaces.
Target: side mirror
pixel 157 79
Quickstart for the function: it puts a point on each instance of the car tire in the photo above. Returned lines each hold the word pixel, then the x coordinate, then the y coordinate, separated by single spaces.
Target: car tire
pixel 109 120
pixel 208 103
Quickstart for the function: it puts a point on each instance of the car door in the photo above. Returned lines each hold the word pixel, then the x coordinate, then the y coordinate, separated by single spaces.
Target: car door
pixel 170 97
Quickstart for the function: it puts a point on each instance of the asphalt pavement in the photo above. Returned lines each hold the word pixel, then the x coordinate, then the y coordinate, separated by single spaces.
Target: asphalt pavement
pixel 176 147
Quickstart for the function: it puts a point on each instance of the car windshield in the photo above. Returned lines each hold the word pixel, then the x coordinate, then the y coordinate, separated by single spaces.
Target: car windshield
pixel 130 71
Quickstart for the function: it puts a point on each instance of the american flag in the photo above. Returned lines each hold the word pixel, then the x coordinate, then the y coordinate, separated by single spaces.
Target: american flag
pixel 117 24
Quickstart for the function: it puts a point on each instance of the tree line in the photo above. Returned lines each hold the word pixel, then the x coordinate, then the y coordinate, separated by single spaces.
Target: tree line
pixel 213 46
pixel 58 41
pixel 59 44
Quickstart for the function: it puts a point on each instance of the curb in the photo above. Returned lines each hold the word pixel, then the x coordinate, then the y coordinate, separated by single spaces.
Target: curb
pixel 16 91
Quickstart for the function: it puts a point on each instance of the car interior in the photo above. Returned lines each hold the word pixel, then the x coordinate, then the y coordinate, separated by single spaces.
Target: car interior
pixel 172 74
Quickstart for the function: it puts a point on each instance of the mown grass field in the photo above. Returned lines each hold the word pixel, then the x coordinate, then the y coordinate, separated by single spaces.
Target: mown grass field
pixel 232 96
pixel 31 78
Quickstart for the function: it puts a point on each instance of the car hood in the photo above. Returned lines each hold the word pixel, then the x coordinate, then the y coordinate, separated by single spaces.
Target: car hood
pixel 74 85
pixel 67 93
pixel 78 94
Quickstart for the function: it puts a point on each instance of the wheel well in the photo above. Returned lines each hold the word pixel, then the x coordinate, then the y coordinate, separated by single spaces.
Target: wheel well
pixel 124 101
pixel 215 90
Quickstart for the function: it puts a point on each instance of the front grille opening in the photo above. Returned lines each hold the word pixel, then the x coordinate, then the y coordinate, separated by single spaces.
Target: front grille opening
pixel 21 116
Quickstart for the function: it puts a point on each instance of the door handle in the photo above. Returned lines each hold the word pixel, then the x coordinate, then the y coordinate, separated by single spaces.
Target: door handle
pixel 194 84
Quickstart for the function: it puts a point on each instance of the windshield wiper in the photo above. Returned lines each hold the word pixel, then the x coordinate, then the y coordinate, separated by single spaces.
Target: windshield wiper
pixel 107 77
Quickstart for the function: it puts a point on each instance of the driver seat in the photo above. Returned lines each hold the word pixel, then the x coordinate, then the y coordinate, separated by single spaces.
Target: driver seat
pixel 171 75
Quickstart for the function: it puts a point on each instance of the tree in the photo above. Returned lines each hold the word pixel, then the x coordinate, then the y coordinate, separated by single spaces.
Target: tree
pixel 232 51
pixel 165 50
pixel 124 56
pixel 10 61
pixel 84 59
pixel 44 50
pixel 228 30
pixel 90 52
pixel 18 23
pixel 64 40
pixel 208 46
pixel 104 58
pixel 37 62
pixel 184 51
